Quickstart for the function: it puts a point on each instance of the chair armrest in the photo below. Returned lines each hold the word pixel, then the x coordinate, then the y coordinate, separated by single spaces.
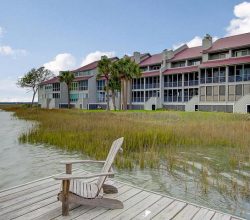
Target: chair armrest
pixel 72 176
pixel 82 161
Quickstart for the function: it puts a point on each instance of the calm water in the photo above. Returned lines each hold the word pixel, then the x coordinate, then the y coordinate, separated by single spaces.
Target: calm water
pixel 20 163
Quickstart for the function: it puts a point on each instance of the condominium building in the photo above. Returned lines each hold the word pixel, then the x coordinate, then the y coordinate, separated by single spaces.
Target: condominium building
pixel 211 77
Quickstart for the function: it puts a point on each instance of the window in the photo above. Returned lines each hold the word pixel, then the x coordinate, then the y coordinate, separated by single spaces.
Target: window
pixel 56 95
pixel 100 84
pixel 83 85
pixel 209 93
pixel 144 68
pixel 101 96
pixel 138 96
pixel 74 86
pixel 247 72
pixel 56 86
pixel 155 67
pixel 216 56
pixel 73 97
pixel 178 64
pixel 194 62
pixel 48 87
pixel 242 52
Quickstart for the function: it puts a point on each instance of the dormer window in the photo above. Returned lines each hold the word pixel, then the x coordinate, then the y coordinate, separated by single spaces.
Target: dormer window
pixel 217 56
pixel 144 68
pixel 241 52
pixel 155 67
pixel 195 62
pixel 178 64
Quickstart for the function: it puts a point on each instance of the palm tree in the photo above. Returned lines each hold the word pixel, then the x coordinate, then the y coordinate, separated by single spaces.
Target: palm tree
pixel 67 77
pixel 114 85
pixel 104 68
pixel 126 69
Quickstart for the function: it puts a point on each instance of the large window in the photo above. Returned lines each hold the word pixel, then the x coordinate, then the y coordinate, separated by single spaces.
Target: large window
pixel 138 83
pixel 195 62
pixel 56 95
pixel 73 97
pixel 101 96
pixel 56 87
pixel 241 52
pixel 152 82
pixel 178 64
pixel 173 95
pixel 215 56
pixel 138 96
pixel 83 85
pixel 151 93
pixel 213 75
pixel 154 67
pixel 239 73
pixel 100 84
pixel 190 93
pixel 74 86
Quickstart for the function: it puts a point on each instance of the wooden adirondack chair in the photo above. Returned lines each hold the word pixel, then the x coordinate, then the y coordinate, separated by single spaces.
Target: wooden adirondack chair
pixel 90 194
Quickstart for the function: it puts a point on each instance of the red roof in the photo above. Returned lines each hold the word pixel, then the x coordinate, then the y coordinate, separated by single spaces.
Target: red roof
pixel 90 66
pixel 230 42
pixel 153 59
pixel 188 53
pixel 181 70
pixel 224 62
pixel 52 80
pixel 151 73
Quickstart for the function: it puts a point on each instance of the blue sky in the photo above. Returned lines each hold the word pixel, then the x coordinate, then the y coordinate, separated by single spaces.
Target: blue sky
pixel 64 34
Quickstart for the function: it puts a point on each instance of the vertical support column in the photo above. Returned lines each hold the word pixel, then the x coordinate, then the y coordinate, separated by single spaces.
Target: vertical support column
pixel 144 94
pixel 161 84
pixel 226 84
pixel 182 87
pixel 65 189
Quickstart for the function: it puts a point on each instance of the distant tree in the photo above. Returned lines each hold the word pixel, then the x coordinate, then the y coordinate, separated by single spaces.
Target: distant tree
pixel 33 78
pixel 104 68
pixel 67 77
pixel 126 69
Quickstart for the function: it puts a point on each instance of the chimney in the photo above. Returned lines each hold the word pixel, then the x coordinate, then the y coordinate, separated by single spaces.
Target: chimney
pixel 207 42
pixel 166 55
pixel 137 57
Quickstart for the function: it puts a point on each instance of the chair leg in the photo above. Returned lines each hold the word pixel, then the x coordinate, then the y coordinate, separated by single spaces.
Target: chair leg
pixel 65 199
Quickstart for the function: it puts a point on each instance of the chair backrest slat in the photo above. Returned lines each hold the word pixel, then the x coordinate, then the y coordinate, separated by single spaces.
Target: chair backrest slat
pixel 116 145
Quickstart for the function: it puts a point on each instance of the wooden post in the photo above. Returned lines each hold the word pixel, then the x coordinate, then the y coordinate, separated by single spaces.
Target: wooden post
pixel 65 188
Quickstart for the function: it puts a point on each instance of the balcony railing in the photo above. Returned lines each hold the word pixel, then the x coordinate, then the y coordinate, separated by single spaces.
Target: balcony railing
pixel 212 79
pixel 191 83
pixel 138 99
pixel 152 86
pixel 138 86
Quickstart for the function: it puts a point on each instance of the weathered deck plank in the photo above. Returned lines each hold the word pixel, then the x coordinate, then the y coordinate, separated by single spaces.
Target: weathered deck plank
pixel 38 200
pixel 154 209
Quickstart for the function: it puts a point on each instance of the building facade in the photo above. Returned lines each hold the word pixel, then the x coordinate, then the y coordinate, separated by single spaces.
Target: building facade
pixel 211 77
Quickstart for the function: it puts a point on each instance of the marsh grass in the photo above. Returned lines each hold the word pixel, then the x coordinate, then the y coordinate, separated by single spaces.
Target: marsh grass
pixel 152 139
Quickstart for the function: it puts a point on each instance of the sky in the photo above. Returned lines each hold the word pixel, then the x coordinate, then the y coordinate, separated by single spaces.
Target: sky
pixel 66 34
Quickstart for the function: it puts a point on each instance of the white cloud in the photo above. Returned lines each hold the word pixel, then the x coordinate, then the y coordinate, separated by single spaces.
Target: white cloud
pixel 240 24
pixel 7 50
pixel 63 61
pixel 94 56
pixel 9 92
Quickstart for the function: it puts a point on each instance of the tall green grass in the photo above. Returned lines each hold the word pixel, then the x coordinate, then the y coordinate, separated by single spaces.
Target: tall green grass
pixel 152 139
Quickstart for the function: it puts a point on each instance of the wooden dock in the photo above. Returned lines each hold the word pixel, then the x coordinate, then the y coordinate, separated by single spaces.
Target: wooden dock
pixel 38 200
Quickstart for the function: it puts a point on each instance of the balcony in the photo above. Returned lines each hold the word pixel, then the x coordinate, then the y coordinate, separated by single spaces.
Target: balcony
pixel 152 86
pixel 191 83
pixel 138 86
pixel 138 99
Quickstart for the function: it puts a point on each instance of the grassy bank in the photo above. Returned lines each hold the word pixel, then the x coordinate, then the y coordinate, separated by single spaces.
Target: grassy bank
pixel 204 145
